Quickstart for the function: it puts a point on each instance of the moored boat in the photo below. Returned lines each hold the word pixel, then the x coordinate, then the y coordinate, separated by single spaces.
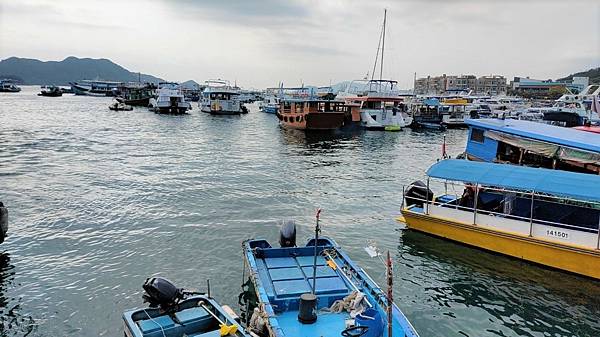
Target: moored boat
pixel 316 290
pixel 219 98
pixel 170 100
pixel 50 91
pixel 8 86
pixel 316 114
pixel 175 312
pixel 137 95
pixel 427 113
pixel 381 106
pixel 549 217
pixel 530 143
pixel 454 112
pixel 118 106
pixel 95 88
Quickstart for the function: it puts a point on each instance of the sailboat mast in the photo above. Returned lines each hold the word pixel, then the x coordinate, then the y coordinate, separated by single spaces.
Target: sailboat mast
pixel 382 44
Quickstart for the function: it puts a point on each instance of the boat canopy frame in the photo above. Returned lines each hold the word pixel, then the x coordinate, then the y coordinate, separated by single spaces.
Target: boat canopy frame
pixel 446 171
pixel 565 184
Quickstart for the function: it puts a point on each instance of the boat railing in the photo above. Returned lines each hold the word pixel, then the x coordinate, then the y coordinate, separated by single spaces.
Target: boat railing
pixel 451 199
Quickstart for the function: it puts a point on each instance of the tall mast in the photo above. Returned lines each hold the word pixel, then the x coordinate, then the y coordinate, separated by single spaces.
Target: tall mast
pixel 383 44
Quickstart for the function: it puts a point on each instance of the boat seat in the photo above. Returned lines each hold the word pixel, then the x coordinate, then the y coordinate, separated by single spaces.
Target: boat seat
pixel 194 319
pixel 280 274
pixel 156 326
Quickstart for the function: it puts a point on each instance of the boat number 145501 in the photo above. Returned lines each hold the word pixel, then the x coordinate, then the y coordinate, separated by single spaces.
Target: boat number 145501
pixel 557 234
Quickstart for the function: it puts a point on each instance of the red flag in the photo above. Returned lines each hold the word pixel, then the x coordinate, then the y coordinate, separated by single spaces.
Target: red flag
pixel 444 154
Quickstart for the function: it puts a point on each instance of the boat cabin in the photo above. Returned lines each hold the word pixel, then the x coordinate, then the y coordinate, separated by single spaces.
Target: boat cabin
pixel 298 110
pixel 222 95
pixel 546 216
pixel 533 144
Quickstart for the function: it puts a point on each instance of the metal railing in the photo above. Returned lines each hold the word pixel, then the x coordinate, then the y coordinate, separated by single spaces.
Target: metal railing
pixel 532 195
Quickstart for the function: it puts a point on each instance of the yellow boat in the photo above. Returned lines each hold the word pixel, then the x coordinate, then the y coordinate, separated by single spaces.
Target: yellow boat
pixel 543 216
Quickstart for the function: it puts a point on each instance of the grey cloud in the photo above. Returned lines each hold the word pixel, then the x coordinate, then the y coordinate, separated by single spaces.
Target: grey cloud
pixel 240 12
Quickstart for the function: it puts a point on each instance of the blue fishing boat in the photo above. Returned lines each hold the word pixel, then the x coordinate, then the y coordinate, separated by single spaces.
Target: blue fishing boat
pixel 271 108
pixel 342 300
pixel 527 143
pixel 175 312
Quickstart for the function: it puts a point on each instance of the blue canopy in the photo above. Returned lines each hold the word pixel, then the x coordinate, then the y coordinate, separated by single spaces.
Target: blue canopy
pixel 553 134
pixel 432 101
pixel 581 186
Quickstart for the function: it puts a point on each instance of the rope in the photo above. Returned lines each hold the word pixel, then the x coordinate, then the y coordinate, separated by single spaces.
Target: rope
pixel 155 322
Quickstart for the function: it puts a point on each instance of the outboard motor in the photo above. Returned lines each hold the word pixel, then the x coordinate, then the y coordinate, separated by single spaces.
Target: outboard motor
pixel 161 292
pixel 287 234
pixel 417 193
pixel 3 222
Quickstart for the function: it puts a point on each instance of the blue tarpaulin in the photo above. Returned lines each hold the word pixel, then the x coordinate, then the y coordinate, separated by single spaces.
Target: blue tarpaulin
pixel 577 139
pixel 581 186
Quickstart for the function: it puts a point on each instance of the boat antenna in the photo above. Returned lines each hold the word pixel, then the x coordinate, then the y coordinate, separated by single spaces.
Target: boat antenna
pixel 376 56
pixel 382 45
pixel 390 298
pixel 317 231
pixel 415 83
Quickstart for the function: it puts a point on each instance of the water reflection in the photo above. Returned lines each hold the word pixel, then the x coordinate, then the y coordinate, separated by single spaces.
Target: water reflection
pixel 523 298
pixel 13 322
pixel 318 139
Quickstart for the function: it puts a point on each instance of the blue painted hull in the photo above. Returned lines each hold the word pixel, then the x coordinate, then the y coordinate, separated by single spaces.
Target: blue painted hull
pixel 189 318
pixel 270 109
pixel 280 275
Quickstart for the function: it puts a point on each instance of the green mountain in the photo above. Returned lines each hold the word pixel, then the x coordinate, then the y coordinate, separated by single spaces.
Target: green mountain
pixel 593 74
pixel 32 71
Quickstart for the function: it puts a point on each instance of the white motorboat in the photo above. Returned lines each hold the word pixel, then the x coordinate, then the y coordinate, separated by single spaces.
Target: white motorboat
pixel 170 99
pixel 572 109
pixel 381 106
pixel 219 98
pixel 8 86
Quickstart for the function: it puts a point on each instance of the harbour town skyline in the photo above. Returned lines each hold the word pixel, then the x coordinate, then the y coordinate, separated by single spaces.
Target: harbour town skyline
pixel 255 42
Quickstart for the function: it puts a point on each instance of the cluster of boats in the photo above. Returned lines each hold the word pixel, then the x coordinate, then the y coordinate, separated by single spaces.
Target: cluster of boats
pixel 523 189
pixel 292 290
pixel 379 105
pixel 218 97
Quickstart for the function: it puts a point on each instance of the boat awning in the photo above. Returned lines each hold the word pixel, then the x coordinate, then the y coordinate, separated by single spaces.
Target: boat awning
pixel 581 186
pixel 586 141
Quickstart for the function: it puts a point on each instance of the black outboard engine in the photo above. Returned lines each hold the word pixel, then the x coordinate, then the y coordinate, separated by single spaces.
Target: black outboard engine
pixel 3 222
pixel 417 193
pixel 161 292
pixel 287 234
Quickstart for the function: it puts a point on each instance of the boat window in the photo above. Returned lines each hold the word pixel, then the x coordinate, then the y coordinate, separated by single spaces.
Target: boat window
pixel 374 117
pixel 297 118
pixel 477 135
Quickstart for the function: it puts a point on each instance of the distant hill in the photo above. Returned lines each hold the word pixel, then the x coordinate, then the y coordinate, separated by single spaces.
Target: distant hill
pixel 32 71
pixel 593 74
pixel 191 84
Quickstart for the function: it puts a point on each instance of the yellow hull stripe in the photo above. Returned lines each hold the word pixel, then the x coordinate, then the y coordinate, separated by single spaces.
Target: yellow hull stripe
pixel 574 259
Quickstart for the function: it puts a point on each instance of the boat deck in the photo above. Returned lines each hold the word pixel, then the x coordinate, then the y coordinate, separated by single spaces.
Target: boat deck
pixel 285 278
pixel 282 275
pixel 328 324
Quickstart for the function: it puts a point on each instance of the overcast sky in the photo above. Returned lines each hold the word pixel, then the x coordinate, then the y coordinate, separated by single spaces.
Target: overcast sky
pixel 259 43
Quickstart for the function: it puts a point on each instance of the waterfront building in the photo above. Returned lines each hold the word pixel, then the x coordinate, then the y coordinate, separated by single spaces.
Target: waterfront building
pixel 488 85
pixel 528 87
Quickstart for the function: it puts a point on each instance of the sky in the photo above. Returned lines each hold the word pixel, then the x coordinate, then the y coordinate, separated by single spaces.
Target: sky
pixel 317 42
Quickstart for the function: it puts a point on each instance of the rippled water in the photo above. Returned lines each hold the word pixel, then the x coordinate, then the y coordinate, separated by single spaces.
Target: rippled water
pixel 100 200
